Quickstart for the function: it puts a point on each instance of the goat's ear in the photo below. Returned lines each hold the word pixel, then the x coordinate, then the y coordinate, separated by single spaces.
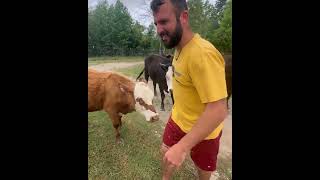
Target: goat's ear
pixel 125 88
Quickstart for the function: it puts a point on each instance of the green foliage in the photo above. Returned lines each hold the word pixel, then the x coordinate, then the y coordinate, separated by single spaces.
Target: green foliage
pixel 222 37
pixel 113 32
pixel 212 22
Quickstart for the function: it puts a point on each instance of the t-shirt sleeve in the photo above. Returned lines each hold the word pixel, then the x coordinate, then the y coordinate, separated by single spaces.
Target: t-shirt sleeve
pixel 207 72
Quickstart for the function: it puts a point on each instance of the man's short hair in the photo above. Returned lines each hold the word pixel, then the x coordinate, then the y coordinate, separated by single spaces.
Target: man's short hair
pixel 179 5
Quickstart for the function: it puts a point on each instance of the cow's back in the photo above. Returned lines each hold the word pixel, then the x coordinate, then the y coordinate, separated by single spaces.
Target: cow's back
pixel 104 92
pixel 116 99
pixel 96 89
pixel 153 68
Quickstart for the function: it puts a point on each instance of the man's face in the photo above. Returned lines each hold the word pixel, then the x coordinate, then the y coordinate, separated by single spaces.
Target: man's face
pixel 168 26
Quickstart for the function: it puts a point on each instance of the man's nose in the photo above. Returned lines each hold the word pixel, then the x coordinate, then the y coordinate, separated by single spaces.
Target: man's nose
pixel 159 29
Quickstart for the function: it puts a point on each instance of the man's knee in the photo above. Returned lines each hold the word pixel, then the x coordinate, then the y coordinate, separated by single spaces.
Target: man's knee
pixel 204 175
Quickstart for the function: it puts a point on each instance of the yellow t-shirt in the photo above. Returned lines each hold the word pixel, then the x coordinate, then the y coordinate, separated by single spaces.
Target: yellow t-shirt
pixel 199 78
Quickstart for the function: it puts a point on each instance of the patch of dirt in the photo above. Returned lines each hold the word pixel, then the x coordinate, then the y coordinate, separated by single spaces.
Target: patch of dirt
pixel 113 66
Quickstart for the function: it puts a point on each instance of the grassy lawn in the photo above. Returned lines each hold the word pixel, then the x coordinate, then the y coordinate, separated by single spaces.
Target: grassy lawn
pixel 132 71
pixel 136 157
pixel 108 59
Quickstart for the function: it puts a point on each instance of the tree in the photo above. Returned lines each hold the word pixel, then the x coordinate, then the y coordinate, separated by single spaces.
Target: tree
pixel 197 17
pixel 112 31
pixel 202 16
pixel 219 5
pixel 212 22
pixel 97 28
pixel 222 37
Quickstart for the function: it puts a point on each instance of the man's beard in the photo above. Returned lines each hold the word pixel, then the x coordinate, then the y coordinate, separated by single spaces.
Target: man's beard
pixel 174 38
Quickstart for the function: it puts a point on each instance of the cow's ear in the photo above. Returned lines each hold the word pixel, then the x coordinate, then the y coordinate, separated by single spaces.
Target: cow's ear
pixel 125 88
pixel 164 66
pixel 142 80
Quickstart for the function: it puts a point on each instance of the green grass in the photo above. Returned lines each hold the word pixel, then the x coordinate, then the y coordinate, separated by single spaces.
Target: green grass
pixel 136 157
pixel 224 168
pixel 133 71
pixel 108 59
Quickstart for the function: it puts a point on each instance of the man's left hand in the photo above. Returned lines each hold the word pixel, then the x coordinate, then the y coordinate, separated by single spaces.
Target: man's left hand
pixel 175 156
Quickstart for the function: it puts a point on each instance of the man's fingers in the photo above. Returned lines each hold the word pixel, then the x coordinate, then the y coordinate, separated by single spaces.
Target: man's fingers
pixel 168 163
pixel 168 167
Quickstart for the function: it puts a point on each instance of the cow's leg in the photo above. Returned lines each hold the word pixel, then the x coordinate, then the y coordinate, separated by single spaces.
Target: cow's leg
pixel 228 101
pixel 154 87
pixel 171 93
pixel 116 122
pixel 146 75
pixel 162 98
pixel 163 87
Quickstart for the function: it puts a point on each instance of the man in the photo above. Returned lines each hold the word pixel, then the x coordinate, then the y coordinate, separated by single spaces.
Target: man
pixel 199 90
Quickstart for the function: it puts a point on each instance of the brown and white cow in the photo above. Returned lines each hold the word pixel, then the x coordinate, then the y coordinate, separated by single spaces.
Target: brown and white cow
pixel 118 95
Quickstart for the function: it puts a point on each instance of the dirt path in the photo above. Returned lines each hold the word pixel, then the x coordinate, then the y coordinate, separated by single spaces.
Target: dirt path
pixel 225 151
pixel 113 66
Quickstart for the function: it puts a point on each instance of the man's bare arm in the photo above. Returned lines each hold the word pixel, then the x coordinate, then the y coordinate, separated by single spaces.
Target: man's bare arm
pixel 214 114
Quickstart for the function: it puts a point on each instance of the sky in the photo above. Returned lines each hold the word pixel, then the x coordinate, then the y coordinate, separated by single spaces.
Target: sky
pixel 138 9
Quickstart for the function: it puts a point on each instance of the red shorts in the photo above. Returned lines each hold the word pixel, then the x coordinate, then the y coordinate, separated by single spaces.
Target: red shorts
pixel 204 154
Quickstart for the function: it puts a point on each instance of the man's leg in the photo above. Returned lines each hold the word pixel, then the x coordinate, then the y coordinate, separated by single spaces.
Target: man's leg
pixel 204 175
pixel 171 135
pixel 204 156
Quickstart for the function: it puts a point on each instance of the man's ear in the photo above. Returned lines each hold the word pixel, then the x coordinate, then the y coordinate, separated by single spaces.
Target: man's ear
pixel 125 88
pixel 184 16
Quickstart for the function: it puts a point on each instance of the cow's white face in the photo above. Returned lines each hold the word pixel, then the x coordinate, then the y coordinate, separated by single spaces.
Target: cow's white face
pixel 143 96
pixel 169 78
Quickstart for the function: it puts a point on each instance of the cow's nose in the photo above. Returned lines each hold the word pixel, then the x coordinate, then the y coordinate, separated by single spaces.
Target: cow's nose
pixel 154 118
